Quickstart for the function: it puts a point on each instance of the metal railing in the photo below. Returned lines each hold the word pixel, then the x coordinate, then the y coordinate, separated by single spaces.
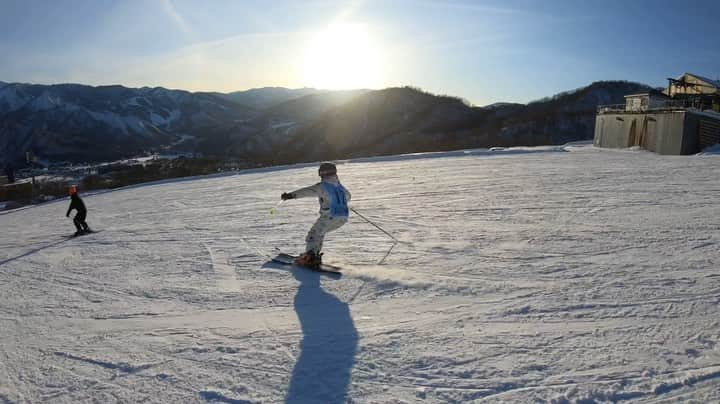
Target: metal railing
pixel 661 106
pixel 610 108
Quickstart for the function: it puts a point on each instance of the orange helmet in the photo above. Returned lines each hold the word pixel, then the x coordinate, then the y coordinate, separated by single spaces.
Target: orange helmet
pixel 73 190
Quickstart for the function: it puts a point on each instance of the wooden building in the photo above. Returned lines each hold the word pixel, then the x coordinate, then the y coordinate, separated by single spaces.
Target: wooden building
pixel 692 84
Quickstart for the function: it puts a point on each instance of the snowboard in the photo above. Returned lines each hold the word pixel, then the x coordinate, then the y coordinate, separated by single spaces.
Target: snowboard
pixel 288 259
pixel 83 233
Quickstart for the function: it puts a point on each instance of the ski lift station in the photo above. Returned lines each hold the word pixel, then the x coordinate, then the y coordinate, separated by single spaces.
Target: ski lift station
pixel 684 118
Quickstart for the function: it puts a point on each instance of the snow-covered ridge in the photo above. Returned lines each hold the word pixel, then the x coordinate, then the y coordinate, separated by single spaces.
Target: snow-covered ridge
pixel 304 124
pixel 104 105
pixel 10 100
pixel 122 120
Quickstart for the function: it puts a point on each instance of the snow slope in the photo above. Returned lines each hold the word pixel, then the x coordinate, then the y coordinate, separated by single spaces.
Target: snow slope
pixel 569 275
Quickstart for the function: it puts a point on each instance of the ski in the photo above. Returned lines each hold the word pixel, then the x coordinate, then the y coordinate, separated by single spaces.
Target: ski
pixel 287 259
pixel 83 233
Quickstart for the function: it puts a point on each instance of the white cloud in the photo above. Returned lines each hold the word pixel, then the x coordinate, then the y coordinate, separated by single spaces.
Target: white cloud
pixel 175 16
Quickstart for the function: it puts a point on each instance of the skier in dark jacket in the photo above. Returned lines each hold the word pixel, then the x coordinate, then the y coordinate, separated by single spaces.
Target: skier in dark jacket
pixel 79 219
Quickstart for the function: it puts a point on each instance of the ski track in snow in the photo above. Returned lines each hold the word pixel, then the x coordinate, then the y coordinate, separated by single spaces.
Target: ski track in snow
pixel 537 275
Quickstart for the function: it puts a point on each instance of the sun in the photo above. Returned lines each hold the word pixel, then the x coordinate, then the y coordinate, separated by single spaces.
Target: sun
pixel 343 56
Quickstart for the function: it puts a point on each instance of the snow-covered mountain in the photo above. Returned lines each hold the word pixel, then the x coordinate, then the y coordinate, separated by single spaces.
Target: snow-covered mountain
pixel 273 128
pixel 77 122
pixel 537 275
pixel 266 97
pixel 407 120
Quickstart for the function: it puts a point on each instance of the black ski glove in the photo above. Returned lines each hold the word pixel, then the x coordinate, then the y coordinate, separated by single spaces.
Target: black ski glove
pixel 285 196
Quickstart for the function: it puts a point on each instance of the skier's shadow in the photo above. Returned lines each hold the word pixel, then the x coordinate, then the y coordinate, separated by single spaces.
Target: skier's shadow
pixel 327 350
pixel 33 251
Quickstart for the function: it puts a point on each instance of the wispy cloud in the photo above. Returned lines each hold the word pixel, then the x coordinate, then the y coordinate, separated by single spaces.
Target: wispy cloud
pixel 347 12
pixel 496 40
pixel 227 64
pixel 175 16
pixel 470 6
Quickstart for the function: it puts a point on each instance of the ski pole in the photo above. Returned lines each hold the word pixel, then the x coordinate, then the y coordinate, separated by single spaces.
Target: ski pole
pixel 395 241
pixel 378 227
pixel 272 210
pixel 387 254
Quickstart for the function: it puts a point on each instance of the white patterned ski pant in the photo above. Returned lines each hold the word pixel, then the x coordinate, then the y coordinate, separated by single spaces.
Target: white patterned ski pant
pixel 324 225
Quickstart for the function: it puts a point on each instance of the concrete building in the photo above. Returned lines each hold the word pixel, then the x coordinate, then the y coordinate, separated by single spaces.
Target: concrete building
pixel 679 120
pixel 645 101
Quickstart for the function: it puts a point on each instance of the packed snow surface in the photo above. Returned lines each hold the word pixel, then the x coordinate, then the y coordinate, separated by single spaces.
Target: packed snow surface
pixel 563 275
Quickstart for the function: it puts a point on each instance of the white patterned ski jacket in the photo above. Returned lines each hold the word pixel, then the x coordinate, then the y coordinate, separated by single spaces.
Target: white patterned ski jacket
pixel 328 202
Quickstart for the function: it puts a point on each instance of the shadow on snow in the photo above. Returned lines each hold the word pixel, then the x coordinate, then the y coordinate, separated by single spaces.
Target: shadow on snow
pixel 327 350
pixel 33 251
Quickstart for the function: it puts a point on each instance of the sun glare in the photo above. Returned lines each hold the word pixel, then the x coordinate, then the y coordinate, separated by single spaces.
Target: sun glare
pixel 343 57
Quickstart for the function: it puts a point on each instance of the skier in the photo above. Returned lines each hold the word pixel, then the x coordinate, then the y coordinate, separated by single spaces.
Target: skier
pixel 333 212
pixel 10 172
pixel 79 219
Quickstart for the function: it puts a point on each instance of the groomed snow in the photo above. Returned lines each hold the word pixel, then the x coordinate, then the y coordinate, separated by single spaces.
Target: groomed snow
pixel 565 275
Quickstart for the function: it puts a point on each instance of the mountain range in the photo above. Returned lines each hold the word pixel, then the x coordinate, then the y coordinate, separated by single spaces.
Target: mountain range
pixel 78 123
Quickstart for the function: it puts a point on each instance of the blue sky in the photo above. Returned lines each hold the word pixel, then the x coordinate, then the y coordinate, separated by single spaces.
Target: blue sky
pixel 484 51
